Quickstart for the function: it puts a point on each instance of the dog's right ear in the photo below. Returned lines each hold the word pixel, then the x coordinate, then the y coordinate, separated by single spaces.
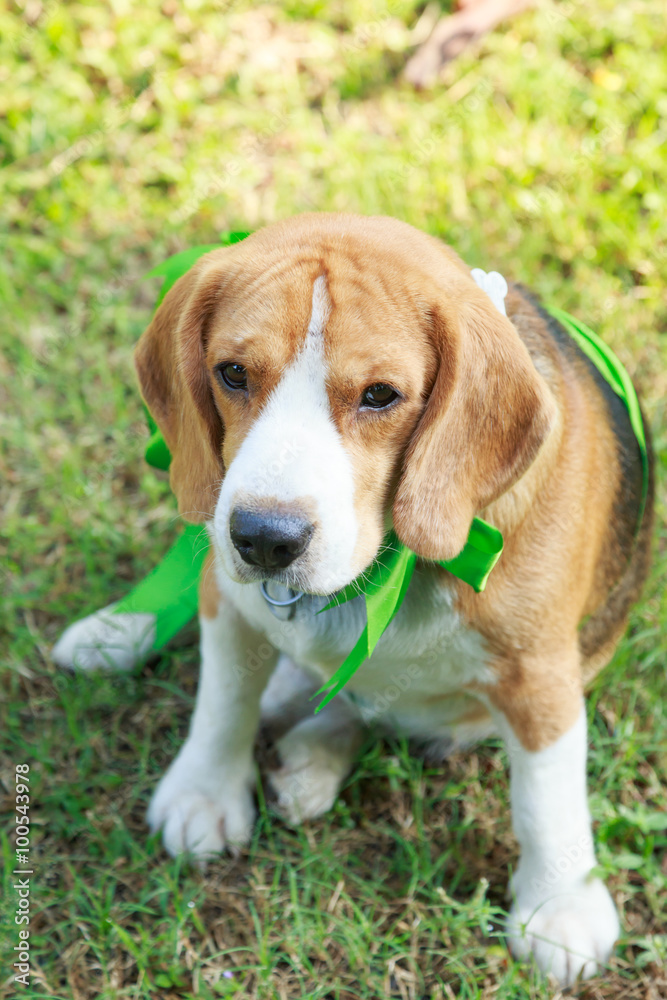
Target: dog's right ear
pixel 170 359
pixel 488 415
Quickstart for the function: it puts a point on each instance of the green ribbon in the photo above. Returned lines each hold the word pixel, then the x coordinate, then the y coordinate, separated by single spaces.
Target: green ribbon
pixel 175 267
pixel 170 590
pixel 617 377
pixel 157 454
pixel 385 585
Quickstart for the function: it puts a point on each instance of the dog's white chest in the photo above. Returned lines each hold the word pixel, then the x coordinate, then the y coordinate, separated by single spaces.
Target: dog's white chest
pixel 425 659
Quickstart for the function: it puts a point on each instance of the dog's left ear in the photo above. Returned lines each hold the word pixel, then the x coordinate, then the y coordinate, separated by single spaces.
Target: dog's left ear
pixel 487 416
pixel 170 359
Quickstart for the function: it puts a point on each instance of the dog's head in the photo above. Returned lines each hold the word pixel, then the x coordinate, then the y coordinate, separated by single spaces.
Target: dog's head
pixel 327 378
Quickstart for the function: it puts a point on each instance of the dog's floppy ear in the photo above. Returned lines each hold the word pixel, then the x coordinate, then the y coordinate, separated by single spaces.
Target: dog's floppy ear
pixel 170 359
pixel 486 417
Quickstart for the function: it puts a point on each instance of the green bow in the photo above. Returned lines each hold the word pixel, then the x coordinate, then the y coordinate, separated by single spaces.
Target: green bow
pixel 385 585
pixel 616 376
pixel 174 267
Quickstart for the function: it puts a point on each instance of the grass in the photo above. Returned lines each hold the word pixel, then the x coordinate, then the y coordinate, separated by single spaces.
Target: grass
pixel 131 131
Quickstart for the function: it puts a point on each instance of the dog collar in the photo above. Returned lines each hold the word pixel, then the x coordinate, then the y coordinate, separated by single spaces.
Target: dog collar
pixel 283 605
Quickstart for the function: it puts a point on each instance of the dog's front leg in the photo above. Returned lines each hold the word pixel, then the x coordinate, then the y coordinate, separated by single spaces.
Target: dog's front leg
pixel 561 914
pixel 204 802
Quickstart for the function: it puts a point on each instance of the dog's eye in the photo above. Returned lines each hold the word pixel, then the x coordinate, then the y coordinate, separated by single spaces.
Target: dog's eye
pixel 378 396
pixel 234 376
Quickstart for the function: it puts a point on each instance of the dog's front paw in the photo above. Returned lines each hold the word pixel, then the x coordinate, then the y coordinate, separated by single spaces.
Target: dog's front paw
pixel 570 934
pixel 203 807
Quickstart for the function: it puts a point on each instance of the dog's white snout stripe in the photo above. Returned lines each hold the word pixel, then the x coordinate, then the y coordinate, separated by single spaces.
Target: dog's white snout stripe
pixel 294 454
pixel 321 309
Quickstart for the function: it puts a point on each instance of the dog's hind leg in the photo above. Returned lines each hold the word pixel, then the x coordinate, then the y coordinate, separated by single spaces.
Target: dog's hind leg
pixel 286 699
pixel 122 635
pixel 315 752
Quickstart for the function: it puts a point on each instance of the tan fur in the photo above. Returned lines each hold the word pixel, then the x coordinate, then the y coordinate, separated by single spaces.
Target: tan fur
pixel 171 363
pixel 495 420
pixel 209 594
pixel 548 579
pixel 485 382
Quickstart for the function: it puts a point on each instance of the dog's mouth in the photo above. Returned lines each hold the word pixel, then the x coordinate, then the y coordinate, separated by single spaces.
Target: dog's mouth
pixel 283 584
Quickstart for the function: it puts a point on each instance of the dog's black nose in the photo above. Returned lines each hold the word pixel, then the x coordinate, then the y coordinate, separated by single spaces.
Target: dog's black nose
pixel 269 540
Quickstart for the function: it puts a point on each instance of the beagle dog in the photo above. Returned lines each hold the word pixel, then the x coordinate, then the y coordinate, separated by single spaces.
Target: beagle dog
pixel 330 378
